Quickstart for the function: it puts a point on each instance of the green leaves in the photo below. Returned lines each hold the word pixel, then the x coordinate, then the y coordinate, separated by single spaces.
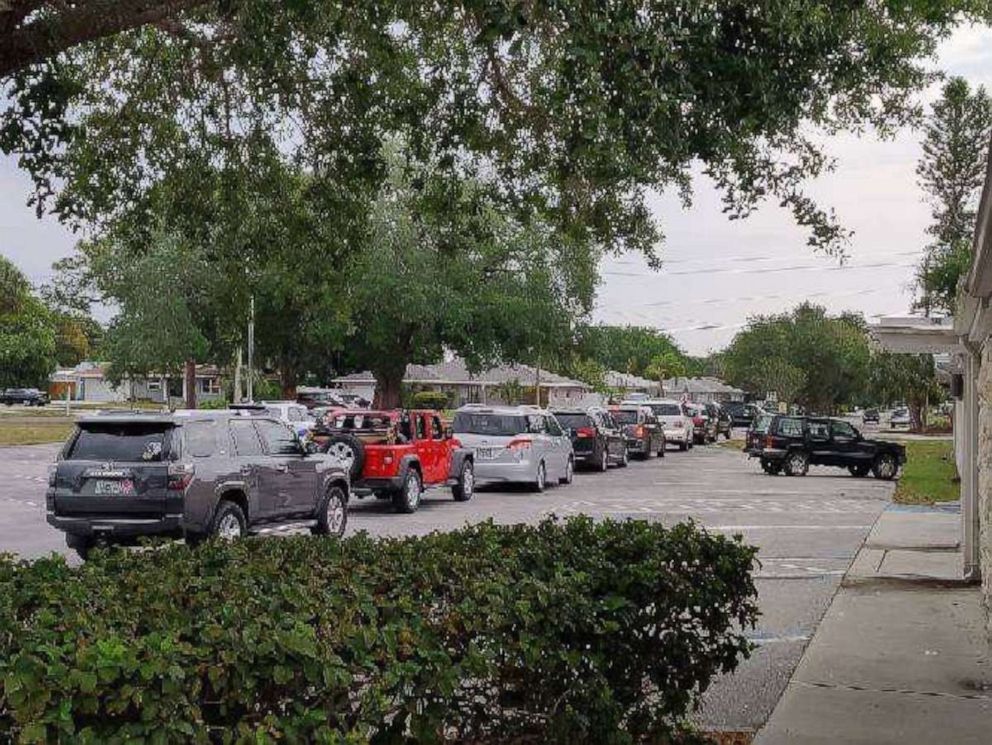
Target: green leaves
pixel 561 632
pixel 27 332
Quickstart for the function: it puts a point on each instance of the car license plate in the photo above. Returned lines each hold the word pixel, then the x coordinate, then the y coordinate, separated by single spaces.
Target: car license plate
pixel 484 453
pixel 105 488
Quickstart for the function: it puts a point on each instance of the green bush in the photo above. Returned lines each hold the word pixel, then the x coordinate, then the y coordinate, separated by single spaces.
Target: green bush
pixel 435 400
pixel 561 632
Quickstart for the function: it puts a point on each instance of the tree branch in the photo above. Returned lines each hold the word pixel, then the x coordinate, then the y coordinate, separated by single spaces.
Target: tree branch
pixel 58 26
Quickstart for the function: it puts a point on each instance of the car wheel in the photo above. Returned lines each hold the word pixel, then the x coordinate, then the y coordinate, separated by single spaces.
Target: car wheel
pixel 885 467
pixel 570 470
pixel 684 445
pixel 229 522
pixel 332 515
pixel 771 467
pixel 407 499
pixel 81 544
pixel 350 453
pixel 541 478
pixel 465 488
pixel 859 471
pixel 692 442
pixel 796 464
pixel 624 457
pixel 604 460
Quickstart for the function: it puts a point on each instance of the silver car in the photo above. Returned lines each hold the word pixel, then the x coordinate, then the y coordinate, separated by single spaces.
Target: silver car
pixel 516 444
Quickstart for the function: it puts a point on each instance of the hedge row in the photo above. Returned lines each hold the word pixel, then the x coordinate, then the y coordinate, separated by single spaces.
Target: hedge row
pixel 562 632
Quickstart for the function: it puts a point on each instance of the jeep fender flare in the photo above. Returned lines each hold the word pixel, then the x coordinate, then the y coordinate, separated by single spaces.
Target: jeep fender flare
pixel 458 458
pixel 408 461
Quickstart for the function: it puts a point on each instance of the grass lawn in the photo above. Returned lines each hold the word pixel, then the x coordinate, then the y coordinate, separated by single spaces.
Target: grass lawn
pixel 929 473
pixel 33 431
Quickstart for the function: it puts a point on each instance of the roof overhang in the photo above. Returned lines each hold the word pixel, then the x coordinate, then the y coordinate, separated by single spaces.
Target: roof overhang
pixel 917 335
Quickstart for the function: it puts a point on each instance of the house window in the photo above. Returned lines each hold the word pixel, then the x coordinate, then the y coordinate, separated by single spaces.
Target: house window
pixel 210 386
pixel 153 385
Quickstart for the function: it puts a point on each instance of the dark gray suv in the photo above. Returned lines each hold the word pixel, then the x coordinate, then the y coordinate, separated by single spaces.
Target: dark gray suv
pixel 189 474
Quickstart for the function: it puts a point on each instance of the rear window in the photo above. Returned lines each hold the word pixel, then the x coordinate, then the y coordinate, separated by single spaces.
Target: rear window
pixel 666 409
pixel 575 421
pixel 761 422
pixel 789 427
pixel 505 425
pixel 625 416
pixel 125 443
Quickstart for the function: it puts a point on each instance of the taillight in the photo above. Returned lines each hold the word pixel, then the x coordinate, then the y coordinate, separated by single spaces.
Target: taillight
pixel 698 421
pixel 640 430
pixel 585 432
pixel 53 472
pixel 519 444
pixel 769 441
pixel 180 476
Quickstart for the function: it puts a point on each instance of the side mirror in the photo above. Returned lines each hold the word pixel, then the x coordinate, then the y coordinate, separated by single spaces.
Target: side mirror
pixel 449 432
pixel 309 447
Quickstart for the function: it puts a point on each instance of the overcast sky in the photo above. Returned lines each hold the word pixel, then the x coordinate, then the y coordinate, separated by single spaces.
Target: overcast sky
pixel 716 272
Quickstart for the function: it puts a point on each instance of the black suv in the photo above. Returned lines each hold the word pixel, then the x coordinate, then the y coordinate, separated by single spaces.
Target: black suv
pixel 741 414
pixel 192 474
pixel 794 443
pixel 597 440
pixel 26 396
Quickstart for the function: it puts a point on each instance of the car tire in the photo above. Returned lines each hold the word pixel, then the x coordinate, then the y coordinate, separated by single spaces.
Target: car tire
pixel 229 522
pixel 624 458
pixel 465 488
pixel 662 448
pixel 332 513
pixel 771 467
pixel 859 471
pixel 407 499
pixel 684 445
pixel 885 467
pixel 350 451
pixel 81 544
pixel 570 470
pixel 691 443
pixel 540 482
pixel 796 463
pixel 604 460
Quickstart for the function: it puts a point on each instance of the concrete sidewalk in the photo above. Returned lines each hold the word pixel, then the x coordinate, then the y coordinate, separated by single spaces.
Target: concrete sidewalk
pixel 902 655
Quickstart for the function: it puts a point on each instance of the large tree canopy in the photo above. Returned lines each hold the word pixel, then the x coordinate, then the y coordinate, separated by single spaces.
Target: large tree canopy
pixel 27 332
pixel 578 106
pixel 952 171
pixel 806 357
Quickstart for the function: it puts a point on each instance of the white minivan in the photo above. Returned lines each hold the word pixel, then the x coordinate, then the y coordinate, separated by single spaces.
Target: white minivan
pixel 673 418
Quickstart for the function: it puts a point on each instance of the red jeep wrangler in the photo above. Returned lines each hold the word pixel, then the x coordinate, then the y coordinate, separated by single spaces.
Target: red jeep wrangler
pixel 396 454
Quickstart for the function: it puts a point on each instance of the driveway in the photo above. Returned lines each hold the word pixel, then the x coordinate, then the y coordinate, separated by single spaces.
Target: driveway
pixel 808 530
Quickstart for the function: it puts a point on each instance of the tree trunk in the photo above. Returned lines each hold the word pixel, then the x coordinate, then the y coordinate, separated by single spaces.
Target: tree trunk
pixel 388 389
pixel 288 380
pixel 190 375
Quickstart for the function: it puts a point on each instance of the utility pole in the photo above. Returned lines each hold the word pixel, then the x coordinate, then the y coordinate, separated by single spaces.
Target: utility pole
pixel 251 350
pixel 236 393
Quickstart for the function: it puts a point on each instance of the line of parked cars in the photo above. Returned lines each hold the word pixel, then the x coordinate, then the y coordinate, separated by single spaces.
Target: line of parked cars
pixel 193 474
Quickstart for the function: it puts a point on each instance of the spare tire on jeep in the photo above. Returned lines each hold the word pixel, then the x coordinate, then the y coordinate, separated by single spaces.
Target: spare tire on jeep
pixel 350 451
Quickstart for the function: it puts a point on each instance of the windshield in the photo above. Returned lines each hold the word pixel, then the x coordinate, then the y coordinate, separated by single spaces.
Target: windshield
pixel 128 443
pixel 505 425
pixel 575 421
pixel 666 409
pixel 761 423
pixel 625 416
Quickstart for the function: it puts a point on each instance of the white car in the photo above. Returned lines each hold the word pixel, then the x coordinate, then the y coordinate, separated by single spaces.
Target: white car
pixel 900 418
pixel 672 416
pixel 297 416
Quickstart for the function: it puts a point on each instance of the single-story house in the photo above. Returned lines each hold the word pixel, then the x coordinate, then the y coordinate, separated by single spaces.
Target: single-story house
pixel 88 382
pixel 702 390
pixel 453 378
pixel 627 383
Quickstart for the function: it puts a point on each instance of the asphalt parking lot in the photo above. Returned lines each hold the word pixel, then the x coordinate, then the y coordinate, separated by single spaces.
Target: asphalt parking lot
pixel 808 530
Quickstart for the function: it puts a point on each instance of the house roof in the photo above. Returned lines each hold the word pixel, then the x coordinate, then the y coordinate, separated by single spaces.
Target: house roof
pixel 456 372
pixel 700 385
pixel 615 379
